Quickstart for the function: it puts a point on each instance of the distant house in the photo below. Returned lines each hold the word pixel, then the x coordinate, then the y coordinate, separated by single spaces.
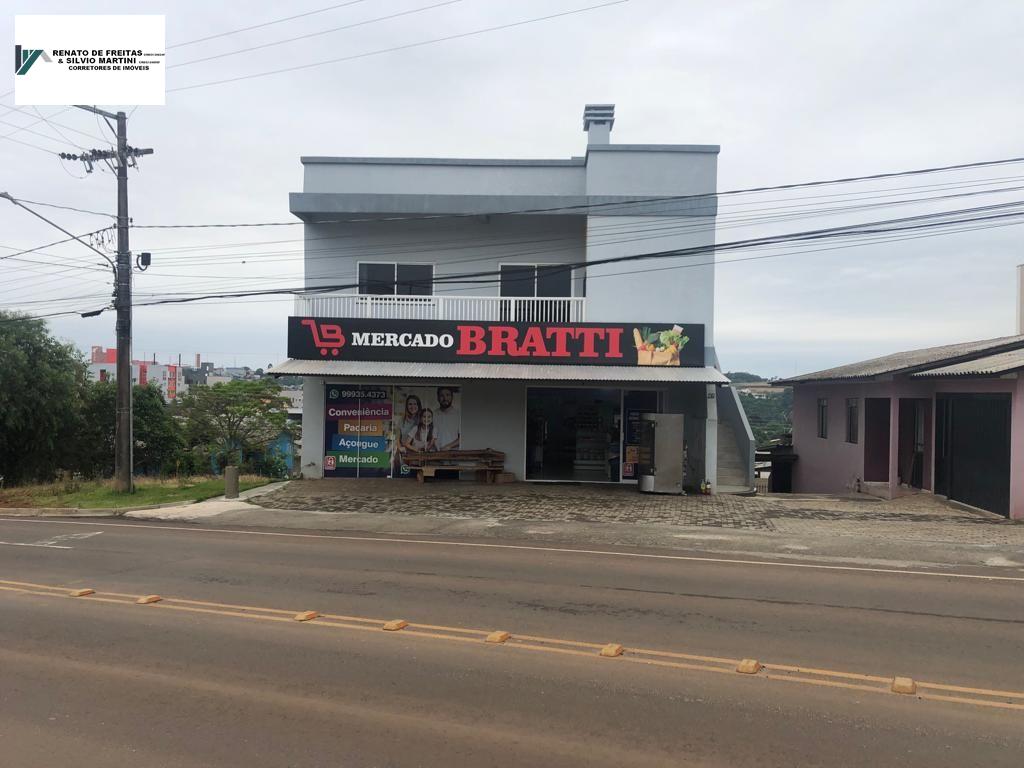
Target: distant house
pixel 948 419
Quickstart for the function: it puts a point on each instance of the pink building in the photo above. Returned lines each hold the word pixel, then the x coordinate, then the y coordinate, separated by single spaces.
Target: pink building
pixel 947 420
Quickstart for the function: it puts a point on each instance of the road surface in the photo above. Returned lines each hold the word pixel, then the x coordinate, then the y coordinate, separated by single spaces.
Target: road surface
pixel 218 673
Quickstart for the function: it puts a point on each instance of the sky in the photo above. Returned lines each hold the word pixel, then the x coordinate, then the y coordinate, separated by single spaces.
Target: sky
pixel 791 91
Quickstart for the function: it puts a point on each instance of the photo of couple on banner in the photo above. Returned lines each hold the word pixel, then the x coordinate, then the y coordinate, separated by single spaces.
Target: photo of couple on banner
pixel 427 419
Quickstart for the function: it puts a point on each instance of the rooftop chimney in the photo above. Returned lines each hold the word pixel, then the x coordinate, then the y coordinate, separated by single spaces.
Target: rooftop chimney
pixel 598 120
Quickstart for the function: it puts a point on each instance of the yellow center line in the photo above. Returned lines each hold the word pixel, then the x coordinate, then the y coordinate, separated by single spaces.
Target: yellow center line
pixel 669 659
pixel 964 700
pixel 962 689
pixel 829 672
pixel 689 656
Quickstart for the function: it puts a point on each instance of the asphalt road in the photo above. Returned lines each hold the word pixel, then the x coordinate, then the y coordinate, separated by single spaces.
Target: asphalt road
pixel 88 682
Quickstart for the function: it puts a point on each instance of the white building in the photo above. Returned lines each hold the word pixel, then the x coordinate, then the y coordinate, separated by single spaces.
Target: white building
pixel 452 255
pixel 167 377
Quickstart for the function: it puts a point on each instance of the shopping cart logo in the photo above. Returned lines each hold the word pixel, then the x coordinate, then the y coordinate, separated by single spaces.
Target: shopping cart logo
pixel 327 337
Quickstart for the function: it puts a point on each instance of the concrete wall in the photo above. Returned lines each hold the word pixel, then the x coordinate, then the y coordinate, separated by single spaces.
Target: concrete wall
pixel 665 290
pixel 676 291
pixel 494 416
pixel 827 465
pixel 423 176
pixel 647 170
pixel 834 466
pixel 314 402
pixel 453 246
pixel 701 452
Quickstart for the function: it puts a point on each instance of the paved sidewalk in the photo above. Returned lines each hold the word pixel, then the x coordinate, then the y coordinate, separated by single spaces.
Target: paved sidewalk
pixel 918 518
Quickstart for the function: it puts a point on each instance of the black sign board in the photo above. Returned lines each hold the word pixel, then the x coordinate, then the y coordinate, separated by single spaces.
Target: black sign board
pixel 447 341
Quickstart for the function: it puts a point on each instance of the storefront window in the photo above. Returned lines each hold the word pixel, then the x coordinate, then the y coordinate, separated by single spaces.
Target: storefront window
pixel 573 434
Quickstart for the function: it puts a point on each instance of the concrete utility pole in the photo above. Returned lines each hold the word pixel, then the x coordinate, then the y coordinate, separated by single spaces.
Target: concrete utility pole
pixel 123 156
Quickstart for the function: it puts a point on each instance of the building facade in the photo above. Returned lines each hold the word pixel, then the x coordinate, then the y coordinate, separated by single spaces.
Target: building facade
pixel 501 304
pixel 947 420
pixel 166 377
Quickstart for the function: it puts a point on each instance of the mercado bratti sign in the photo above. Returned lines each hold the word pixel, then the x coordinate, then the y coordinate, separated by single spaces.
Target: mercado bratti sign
pixel 452 341
pixel 97 59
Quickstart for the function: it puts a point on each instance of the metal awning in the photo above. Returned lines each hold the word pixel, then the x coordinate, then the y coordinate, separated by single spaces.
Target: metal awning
pixel 519 372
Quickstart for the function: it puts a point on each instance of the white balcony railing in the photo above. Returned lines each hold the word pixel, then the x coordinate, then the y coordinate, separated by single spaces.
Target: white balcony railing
pixel 482 308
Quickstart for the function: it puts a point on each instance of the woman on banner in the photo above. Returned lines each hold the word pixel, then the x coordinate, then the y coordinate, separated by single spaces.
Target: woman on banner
pixel 404 428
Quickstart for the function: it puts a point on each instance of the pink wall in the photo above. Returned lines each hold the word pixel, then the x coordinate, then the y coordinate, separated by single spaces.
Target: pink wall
pixel 829 465
pixel 834 466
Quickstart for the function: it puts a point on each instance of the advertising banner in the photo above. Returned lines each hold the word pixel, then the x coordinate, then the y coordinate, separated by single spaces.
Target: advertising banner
pixel 629 344
pixel 357 433
pixel 88 59
pixel 426 419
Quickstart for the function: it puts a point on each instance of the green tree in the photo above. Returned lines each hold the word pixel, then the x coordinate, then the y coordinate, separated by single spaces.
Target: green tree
pixel 770 416
pixel 157 436
pixel 41 386
pixel 234 422
pixel 742 377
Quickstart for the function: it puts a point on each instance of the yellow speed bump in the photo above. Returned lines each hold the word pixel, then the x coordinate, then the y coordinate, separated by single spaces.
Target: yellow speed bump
pixel 749 667
pixel 149 599
pixel 395 625
pixel 499 636
pixel 612 650
pixel 306 615
pixel 81 592
pixel 904 685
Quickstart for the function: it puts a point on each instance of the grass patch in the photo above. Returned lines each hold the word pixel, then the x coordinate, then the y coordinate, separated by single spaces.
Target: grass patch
pixel 98 494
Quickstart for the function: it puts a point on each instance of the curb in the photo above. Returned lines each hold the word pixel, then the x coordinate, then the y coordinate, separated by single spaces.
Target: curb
pixel 121 511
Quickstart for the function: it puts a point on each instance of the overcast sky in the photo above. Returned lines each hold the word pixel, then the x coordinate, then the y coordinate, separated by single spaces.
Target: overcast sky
pixel 792 91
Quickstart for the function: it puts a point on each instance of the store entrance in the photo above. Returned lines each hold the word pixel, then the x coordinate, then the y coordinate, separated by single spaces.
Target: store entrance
pixel 573 434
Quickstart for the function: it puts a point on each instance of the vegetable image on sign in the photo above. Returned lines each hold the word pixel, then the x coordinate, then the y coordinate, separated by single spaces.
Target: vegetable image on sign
pixel 659 347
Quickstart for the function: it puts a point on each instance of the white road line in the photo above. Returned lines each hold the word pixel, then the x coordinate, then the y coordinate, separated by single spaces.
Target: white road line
pixel 20 544
pixel 528 548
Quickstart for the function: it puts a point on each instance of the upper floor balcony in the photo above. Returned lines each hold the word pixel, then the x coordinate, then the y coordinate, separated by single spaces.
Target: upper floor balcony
pixel 500 309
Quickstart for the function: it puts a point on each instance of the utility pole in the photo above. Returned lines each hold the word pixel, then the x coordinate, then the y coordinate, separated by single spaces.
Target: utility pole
pixel 122 157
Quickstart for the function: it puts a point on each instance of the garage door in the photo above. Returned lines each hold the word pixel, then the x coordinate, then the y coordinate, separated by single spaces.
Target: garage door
pixel 973 450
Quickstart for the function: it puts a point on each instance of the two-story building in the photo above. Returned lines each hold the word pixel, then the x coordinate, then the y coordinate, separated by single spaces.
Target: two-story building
pixel 513 304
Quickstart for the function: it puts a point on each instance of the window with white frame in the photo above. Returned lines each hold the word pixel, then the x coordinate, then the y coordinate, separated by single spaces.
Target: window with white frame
pixel 378 278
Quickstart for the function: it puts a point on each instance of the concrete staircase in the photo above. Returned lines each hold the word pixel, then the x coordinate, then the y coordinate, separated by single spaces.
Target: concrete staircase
pixel 732 477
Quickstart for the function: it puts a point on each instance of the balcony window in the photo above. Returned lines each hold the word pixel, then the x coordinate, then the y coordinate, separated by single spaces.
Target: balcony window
pixel 533 283
pixel 391 279
pixel 536 280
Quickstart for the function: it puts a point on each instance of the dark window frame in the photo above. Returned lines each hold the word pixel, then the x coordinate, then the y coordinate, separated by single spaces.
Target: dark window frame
pixel 852 420
pixel 823 418
pixel 368 287
pixel 535 281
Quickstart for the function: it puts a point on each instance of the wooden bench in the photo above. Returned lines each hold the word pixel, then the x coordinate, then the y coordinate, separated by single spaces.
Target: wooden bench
pixel 487 463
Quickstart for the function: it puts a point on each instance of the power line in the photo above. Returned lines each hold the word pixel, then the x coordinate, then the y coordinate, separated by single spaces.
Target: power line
pixel 264 24
pixel 499 249
pixel 69 208
pixel 407 46
pixel 904 224
pixel 51 121
pixel 638 201
pixel 316 34
pixel 56 242
pixel 284 297
pixel 20 204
